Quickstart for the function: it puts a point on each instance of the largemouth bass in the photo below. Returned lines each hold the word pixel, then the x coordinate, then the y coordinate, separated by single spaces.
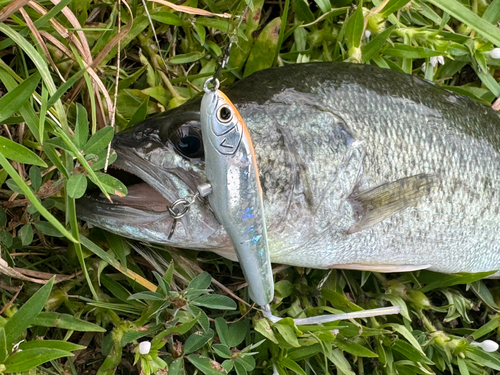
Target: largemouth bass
pixel 361 168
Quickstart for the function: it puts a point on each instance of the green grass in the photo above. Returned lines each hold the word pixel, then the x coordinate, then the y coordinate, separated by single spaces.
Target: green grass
pixel 108 294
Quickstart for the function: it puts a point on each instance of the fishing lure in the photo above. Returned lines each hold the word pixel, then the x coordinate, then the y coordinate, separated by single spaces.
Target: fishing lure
pixel 235 196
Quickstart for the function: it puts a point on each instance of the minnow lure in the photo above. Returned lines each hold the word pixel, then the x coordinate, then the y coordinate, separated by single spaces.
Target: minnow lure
pixel 235 196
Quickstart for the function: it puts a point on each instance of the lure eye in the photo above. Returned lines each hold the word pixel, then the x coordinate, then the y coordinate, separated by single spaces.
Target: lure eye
pixel 225 114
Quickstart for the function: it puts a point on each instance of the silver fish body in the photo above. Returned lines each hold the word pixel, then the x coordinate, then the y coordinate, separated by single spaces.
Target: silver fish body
pixel 236 197
pixel 360 168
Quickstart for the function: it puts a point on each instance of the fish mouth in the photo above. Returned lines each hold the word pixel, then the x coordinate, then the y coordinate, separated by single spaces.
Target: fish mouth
pixel 140 194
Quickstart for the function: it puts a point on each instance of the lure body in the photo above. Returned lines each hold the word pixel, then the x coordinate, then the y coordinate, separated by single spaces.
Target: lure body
pixel 236 198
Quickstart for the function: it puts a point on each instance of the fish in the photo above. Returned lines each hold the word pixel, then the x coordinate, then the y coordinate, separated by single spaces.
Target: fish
pixel 361 168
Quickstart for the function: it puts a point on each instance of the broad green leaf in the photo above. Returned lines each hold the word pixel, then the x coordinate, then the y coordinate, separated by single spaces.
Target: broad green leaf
pixel 206 365
pixel 291 365
pixel 140 114
pixel 288 334
pixel 119 246
pixel 356 349
pixel 354 29
pixel 338 359
pixel 82 126
pixel 127 82
pixel 202 316
pixel 112 185
pixel 222 331
pixel 493 324
pixel 35 178
pixel 98 161
pixel 393 6
pixel 462 366
pixel 263 51
pixel 202 281
pixel 52 155
pixel 492 14
pixel 491 360
pixel 27 112
pixel 30 358
pixel 14 151
pixel 247 362
pixel 437 280
pixel 324 5
pixel 186 58
pixel 167 18
pixel 14 187
pixel 99 140
pixel 6 237
pixel 175 367
pixel 180 329
pixel 201 32
pixel 26 234
pixel 219 24
pixel 410 52
pixel 26 314
pixel 302 11
pixel 262 326
pixel 116 289
pixel 298 354
pixel 76 185
pixel 14 99
pixel 370 49
pixel 59 143
pixel 48 229
pixel 403 331
pixel 50 344
pixel 238 332
pixel 222 350
pixel 4 351
pixel 147 296
pixel 215 301
pixel 197 340
pixel 240 369
pixel 65 321
pixel 409 352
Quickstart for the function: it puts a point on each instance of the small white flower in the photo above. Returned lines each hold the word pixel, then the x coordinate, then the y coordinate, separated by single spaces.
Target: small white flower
pixel 487 345
pixel 435 60
pixel 368 33
pixel 144 347
pixel 495 53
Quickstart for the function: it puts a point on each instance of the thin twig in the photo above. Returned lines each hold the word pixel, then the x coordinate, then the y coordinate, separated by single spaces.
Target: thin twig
pixel 112 113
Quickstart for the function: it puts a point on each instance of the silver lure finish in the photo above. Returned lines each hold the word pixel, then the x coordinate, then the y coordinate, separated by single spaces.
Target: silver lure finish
pixel 327 136
pixel 236 198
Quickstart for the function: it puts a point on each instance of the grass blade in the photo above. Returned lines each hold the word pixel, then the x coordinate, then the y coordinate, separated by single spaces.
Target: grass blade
pixel 33 199
pixel 461 13
pixel 13 100
pixel 24 317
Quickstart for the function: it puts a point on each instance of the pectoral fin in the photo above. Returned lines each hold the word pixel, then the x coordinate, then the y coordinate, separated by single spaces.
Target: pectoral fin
pixel 377 204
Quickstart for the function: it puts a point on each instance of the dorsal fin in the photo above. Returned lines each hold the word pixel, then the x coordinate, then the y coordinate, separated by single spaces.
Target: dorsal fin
pixel 377 204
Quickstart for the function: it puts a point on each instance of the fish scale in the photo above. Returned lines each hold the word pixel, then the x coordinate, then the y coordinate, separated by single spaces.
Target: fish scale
pixel 339 147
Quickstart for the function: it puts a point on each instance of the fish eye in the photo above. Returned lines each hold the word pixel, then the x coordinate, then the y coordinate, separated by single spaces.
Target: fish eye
pixel 225 114
pixel 188 142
